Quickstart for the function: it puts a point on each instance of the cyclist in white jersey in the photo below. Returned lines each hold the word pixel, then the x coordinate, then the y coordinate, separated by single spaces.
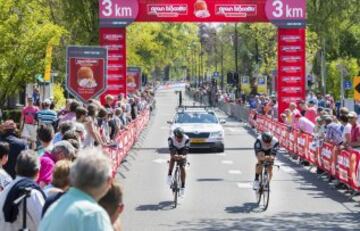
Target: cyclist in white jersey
pixel 179 145
pixel 266 147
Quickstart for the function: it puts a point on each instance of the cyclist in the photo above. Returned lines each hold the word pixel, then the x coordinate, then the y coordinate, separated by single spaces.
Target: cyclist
pixel 179 145
pixel 266 147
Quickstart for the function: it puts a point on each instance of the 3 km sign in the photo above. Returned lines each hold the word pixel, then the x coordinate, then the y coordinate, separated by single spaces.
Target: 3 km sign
pixel 288 15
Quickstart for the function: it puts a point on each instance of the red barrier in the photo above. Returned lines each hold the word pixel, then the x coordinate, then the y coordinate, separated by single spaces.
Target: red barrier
pixel 126 139
pixel 354 171
pixel 345 165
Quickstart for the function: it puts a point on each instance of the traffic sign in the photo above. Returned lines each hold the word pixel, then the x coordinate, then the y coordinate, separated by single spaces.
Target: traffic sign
pixel 357 88
pixel 347 85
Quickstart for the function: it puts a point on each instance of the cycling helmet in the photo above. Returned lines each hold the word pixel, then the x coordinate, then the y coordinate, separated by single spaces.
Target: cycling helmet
pixel 266 137
pixel 179 132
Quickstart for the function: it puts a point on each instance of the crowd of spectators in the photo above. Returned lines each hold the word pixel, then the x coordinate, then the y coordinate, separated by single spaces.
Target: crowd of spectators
pixel 320 117
pixel 57 158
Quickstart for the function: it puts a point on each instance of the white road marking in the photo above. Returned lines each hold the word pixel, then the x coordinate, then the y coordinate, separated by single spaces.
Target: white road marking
pixel 160 161
pixel 244 185
pixel 227 162
pixel 234 172
pixel 221 154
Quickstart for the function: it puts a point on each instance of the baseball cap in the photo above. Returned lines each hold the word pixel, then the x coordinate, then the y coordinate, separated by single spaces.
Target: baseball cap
pixel 47 102
pixel 352 114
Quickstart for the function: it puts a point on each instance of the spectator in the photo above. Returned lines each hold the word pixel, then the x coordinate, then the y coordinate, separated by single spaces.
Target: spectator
pixel 59 184
pixel 294 111
pixel 16 146
pixel 46 115
pixel 66 109
pixel 70 114
pixel 5 178
pixel 27 169
pixel 112 202
pixel 311 111
pixel 62 150
pixel 36 96
pixel 28 122
pixel 355 130
pixel 118 118
pixel 346 130
pixel 109 101
pixel 45 135
pixel 312 97
pixel 133 110
pixel 90 177
pixel 303 124
pixel 333 132
pixel 63 128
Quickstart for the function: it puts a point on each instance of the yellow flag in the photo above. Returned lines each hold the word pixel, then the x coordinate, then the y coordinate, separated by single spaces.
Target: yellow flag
pixel 357 88
pixel 48 60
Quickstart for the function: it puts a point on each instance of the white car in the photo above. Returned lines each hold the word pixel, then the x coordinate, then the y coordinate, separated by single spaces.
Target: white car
pixel 202 126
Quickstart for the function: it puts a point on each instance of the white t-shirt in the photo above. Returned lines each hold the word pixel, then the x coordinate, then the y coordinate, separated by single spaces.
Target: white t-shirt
pixel 306 125
pixel 347 130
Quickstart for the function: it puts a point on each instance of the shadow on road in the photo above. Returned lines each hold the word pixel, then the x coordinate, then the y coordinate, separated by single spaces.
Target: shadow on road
pixel 210 179
pixel 281 221
pixel 164 205
pixel 246 208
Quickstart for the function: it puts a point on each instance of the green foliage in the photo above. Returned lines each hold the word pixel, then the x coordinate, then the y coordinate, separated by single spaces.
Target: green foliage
pixel 334 75
pixel 14 114
pixel 26 32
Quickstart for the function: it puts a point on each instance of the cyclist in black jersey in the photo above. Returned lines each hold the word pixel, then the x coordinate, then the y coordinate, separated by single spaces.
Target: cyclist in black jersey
pixel 179 145
pixel 266 147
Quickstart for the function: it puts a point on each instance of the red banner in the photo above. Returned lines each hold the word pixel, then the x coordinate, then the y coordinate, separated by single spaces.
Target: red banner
pixel 313 150
pixel 302 145
pixel 86 71
pixel 133 79
pixel 291 66
pixel 343 167
pixel 114 39
pixel 326 157
pixel 202 11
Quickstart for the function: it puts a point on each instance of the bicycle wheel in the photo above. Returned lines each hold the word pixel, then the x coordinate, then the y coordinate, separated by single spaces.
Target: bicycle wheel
pixel 176 187
pixel 266 192
pixel 259 191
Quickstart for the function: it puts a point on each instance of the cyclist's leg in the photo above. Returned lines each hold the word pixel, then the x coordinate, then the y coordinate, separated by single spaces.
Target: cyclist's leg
pixel 270 169
pixel 260 158
pixel 171 162
pixel 183 174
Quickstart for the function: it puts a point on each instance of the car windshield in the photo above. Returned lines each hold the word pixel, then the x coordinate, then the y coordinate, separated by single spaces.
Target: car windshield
pixel 192 118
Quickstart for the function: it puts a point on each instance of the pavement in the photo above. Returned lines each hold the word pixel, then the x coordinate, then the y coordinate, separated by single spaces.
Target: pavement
pixel 219 195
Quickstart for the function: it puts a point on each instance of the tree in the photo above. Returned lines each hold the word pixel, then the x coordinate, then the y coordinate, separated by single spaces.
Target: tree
pixel 26 31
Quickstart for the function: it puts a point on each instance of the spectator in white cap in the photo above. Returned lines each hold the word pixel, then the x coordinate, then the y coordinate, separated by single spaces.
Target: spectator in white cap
pixel 46 115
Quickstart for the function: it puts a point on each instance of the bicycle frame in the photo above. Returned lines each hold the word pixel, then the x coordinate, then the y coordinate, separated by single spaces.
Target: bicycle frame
pixel 263 193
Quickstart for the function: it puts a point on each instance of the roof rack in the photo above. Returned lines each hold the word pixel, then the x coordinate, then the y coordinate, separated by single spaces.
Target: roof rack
pixel 184 107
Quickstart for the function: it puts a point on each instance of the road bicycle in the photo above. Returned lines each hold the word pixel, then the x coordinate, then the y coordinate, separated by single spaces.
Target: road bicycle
pixel 176 182
pixel 263 193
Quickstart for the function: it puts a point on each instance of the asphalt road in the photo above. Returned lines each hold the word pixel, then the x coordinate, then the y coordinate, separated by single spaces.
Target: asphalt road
pixel 218 193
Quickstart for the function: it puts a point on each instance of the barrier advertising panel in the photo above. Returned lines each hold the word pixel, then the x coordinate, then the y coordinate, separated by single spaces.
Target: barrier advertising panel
pixel 86 71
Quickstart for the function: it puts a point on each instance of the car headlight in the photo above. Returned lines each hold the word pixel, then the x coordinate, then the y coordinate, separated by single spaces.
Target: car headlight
pixel 218 134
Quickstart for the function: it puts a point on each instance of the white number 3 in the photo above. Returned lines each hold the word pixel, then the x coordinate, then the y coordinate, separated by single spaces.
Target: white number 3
pixel 278 12
pixel 108 8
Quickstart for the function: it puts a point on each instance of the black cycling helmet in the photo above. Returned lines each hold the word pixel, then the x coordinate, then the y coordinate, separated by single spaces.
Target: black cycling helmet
pixel 267 137
pixel 179 132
